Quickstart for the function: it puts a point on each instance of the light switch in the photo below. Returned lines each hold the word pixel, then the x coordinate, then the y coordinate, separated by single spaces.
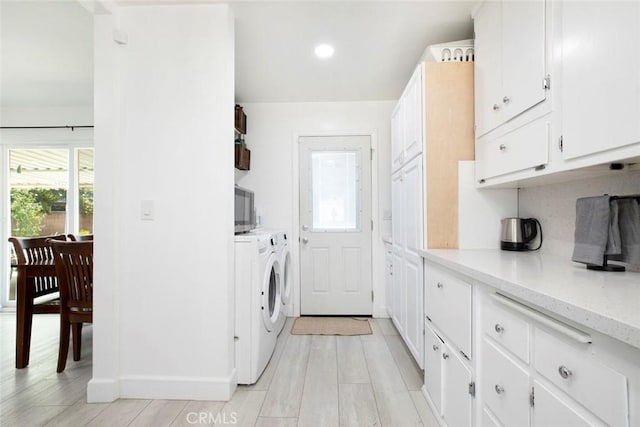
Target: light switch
pixel 147 210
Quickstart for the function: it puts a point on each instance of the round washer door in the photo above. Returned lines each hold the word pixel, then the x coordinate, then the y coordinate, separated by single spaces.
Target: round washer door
pixel 285 276
pixel 271 299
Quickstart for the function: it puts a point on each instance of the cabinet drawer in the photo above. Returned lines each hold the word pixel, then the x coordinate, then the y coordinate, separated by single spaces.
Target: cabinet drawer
pixel 448 305
pixel 572 368
pixel 510 330
pixel 505 386
pixel 523 148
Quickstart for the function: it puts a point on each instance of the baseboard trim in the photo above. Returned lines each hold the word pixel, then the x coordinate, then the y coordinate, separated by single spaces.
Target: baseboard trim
pixel 100 390
pixel 161 387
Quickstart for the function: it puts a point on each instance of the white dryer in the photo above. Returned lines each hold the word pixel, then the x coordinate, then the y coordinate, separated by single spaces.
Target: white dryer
pixel 282 249
pixel 258 301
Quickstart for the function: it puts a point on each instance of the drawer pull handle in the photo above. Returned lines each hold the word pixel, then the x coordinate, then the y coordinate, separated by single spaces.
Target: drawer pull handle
pixel 499 328
pixel 439 285
pixel 499 389
pixel 506 99
pixel 445 356
pixel 502 147
pixel 435 348
pixel 496 107
pixel 564 372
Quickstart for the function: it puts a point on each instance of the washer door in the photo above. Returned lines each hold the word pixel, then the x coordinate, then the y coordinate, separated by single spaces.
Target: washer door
pixel 285 276
pixel 271 299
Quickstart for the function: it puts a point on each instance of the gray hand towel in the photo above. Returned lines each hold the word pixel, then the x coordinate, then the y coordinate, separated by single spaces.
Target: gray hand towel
pixel 629 222
pixel 614 245
pixel 592 230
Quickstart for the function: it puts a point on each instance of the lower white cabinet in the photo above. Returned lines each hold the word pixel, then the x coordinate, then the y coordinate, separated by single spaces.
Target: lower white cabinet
pixel 448 381
pixel 524 367
pixel 388 277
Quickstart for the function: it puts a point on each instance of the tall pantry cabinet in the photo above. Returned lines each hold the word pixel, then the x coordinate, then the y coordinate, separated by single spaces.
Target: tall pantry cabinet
pixel 432 128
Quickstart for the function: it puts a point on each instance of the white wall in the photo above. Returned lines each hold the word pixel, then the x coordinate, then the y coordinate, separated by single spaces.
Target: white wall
pixel 555 206
pixel 163 322
pixel 271 136
pixel 47 116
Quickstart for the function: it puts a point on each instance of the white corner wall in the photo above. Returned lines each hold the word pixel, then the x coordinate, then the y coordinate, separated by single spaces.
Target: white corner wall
pixel 163 298
pixel 272 130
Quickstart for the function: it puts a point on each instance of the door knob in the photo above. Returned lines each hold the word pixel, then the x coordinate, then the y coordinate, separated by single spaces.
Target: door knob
pixel 305 240
pixel 305 227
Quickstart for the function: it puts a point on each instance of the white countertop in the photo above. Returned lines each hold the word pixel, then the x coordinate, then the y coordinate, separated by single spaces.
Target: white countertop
pixel 607 302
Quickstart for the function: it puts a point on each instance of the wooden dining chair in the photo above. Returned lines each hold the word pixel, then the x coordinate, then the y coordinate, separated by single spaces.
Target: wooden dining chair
pixel 80 237
pixel 37 288
pixel 74 267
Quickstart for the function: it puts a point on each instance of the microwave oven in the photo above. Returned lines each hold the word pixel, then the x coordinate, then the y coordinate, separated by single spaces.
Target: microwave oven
pixel 245 216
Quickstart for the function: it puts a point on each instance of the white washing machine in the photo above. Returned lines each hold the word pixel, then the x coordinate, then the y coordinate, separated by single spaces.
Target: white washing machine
pixel 258 301
pixel 282 249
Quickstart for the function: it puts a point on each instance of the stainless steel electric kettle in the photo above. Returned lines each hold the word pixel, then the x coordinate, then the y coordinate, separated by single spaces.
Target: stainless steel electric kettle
pixel 518 233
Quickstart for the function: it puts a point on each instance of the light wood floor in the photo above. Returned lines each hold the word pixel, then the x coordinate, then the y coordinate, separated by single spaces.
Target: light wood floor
pixel 323 381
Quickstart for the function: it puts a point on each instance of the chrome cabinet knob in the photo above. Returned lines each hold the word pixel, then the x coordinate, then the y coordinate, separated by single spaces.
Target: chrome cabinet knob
pixel 506 99
pixel 496 107
pixel 499 328
pixel 305 227
pixel 564 372
pixel 499 389
pixel 502 147
pixel 305 240
pixel 445 356
pixel 435 348
pixel 439 285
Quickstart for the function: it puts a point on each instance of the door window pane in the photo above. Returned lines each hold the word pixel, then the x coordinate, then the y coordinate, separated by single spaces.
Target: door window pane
pixel 335 190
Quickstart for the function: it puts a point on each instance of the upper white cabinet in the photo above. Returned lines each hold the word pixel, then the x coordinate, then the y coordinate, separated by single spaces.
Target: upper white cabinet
pixel 406 123
pixel 510 60
pixel 600 76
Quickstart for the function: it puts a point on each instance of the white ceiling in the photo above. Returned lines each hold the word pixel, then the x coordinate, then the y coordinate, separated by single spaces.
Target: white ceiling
pixel 47 49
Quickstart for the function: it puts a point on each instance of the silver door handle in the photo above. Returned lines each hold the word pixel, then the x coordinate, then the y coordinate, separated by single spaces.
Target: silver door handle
pixel 499 389
pixel 439 285
pixel 305 227
pixel 564 372
pixel 506 99
pixel 496 107
pixel 499 328
pixel 305 240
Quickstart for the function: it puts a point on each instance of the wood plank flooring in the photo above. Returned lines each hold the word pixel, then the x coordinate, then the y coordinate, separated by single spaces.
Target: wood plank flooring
pixel 368 380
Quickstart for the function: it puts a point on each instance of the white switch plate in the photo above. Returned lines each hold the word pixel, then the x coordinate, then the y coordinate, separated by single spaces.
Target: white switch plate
pixel 147 210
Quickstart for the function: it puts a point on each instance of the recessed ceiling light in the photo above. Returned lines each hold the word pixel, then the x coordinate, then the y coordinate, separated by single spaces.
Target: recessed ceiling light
pixel 324 51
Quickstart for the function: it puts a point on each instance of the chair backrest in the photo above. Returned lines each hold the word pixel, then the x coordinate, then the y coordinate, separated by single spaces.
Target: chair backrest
pixel 34 249
pixel 80 237
pixel 74 266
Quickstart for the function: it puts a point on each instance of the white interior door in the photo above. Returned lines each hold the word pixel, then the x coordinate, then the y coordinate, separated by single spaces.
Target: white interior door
pixel 335 225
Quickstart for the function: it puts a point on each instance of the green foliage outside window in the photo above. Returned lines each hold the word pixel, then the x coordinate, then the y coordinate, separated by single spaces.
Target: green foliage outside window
pixel 26 213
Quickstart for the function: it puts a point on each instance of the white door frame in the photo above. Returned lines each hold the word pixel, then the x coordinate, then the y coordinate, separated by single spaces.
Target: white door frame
pixel 376 243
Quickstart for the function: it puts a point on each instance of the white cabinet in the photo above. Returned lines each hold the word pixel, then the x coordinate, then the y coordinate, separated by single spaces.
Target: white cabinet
pixel 448 372
pixel 448 381
pixel 448 306
pixel 406 122
pixel 510 60
pixel 388 277
pixel 600 76
pixel 538 371
pixel 407 226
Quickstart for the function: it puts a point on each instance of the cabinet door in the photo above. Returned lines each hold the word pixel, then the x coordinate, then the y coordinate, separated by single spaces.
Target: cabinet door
pixel 505 386
pixel 456 400
pixel 523 56
pixel 397 136
pixel 413 278
pixel 397 210
pixel 433 368
pixel 412 104
pixel 388 277
pixel 398 292
pixel 552 410
pixel 488 66
pixel 600 76
pixel 413 205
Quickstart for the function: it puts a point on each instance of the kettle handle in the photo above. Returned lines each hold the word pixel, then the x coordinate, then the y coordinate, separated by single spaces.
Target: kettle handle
pixel 540 230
